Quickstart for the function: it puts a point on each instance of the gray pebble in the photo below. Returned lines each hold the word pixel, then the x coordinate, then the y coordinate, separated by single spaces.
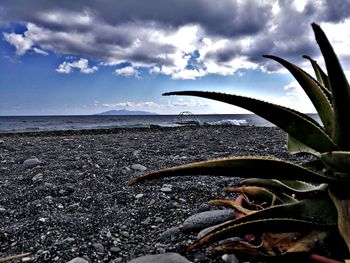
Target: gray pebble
pixel 38 177
pixel 161 258
pixel 205 219
pixel 139 167
pixel 169 235
pixel 165 189
pixel 115 249
pixel 138 196
pixel 27 259
pixel 203 207
pixel 78 260
pixel 32 162
pixel 109 177
pixel 99 247
pixel 230 258
pixel 125 234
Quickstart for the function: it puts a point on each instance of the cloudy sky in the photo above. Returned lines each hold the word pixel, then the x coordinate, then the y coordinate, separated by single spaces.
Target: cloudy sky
pixel 85 56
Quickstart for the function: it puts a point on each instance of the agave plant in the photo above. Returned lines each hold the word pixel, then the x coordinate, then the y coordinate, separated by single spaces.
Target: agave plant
pixel 287 208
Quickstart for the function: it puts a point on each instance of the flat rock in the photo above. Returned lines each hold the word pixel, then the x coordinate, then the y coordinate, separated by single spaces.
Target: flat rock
pixel 31 162
pixel 206 219
pixel 139 167
pixel 161 258
pixel 78 260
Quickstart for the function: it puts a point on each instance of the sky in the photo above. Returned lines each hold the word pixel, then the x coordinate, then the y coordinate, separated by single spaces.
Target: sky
pixel 84 56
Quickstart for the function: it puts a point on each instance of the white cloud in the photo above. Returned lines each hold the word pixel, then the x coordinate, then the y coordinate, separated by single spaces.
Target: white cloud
pixel 295 98
pixel 126 71
pixel 170 104
pixel 20 42
pixel 82 64
pixel 40 51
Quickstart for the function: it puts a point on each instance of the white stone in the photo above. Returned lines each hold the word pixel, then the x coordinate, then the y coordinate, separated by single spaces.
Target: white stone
pixel 139 167
pixel 165 189
pixel 138 196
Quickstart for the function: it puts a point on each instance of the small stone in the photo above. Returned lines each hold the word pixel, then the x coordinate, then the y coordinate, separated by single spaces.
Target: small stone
pixel 115 249
pixel 169 235
pixel 78 260
pixel 38 177
pixel 203 207
pixel 125 234
pixel 158 220
pixel 165 189
pixel 139 167
pixel 69 239
pixel 199 256
pixel 2 142
pixel 32 162
pixel 2 210
pixel 27 259
pixel 60 206
pixel 161 258
pixel 42 219
pixel 230 258
pixel 117 260
pixel 99 247
pixel 138 196
pixel 109 177
pixel 205 219
pixel 147 221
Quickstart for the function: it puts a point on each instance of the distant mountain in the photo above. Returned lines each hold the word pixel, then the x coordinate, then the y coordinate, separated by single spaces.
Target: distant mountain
pixel 126 112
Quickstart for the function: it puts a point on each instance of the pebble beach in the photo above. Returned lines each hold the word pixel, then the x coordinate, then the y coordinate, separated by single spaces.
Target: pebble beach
pixel 64 195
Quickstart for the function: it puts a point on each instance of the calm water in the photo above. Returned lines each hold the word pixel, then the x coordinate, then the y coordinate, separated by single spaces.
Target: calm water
pixel 54 123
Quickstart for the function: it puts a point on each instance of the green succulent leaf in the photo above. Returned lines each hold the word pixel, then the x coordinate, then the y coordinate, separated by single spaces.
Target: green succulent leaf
pixel 321 77
pixel 317 93
pixel 337 161
pixel 262 167
pixel 341 199
pixel 295 146
pixel 340 90
pixel 298 125
pixel 290 187
pixel 307 214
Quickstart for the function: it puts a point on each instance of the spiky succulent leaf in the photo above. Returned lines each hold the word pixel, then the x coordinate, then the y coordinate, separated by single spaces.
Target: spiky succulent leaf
pixel 321 77
pixel 275 244
pixel 276 225
pixel 340 90
pixel 298 125
pixel 295 146
pixel 315 91
pixel 262 167
pixel 310 213
pixel 341 199
pixel 337 161
pixel 284 186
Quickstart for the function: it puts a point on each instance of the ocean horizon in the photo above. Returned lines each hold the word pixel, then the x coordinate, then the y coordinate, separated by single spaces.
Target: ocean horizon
pixel 81 122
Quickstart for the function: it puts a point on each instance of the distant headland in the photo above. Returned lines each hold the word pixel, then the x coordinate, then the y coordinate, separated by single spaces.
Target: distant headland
pixel 125 112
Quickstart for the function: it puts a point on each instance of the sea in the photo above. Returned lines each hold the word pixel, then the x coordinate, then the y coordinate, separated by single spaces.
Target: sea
pixel 80 122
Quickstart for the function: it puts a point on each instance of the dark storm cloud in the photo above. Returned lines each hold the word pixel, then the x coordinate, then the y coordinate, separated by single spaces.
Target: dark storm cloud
pixel 139 31
pixel 227 18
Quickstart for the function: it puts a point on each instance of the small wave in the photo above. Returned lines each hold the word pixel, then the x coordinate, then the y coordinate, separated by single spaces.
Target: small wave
pixel 228 122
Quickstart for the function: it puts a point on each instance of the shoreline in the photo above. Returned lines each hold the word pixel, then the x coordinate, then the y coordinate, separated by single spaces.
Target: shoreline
pixel 75 201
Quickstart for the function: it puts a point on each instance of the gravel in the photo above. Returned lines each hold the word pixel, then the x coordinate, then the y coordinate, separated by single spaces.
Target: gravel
pixel 72 202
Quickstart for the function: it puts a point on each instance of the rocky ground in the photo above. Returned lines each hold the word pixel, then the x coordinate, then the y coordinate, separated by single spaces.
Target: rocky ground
pixel 65 194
